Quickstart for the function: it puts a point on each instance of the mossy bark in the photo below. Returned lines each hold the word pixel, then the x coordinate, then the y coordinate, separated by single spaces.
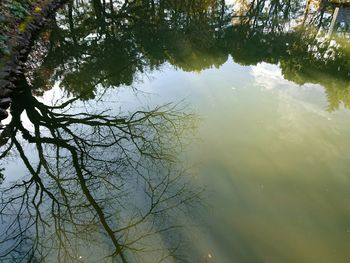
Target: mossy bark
pixel 11 72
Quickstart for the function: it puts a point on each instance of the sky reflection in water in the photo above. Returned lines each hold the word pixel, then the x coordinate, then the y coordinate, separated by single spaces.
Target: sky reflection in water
pixel 269 110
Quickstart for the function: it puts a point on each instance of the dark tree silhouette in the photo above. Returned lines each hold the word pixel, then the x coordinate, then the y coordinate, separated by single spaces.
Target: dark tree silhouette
pixel 141 36
pixel 110 184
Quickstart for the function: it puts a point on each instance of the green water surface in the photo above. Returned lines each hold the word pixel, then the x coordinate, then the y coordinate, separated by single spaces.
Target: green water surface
pixel 188 131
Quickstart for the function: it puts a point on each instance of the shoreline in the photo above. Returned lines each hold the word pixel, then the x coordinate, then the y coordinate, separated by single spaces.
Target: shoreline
pixel 13 69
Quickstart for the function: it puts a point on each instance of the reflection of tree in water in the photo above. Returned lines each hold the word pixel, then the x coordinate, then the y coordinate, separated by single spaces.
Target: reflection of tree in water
pixel 98 44
pixel 321 62
pixel 137 37
pixel 100 186
pixel 2 177
pixel 302 57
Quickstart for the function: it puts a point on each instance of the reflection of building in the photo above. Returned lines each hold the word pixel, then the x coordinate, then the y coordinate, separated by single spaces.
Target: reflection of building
pixel 338 10
pixel 341 14
pixel 344 15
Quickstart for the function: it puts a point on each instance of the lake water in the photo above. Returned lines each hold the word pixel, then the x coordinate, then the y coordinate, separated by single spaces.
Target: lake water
pixel 194 131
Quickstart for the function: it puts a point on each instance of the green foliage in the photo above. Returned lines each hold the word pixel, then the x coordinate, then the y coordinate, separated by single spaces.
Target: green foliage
pixel 11 13
pixel 18 9
pixel 3 46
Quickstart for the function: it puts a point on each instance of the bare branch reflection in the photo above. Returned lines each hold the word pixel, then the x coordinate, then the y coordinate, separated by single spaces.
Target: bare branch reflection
pixel 99 186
